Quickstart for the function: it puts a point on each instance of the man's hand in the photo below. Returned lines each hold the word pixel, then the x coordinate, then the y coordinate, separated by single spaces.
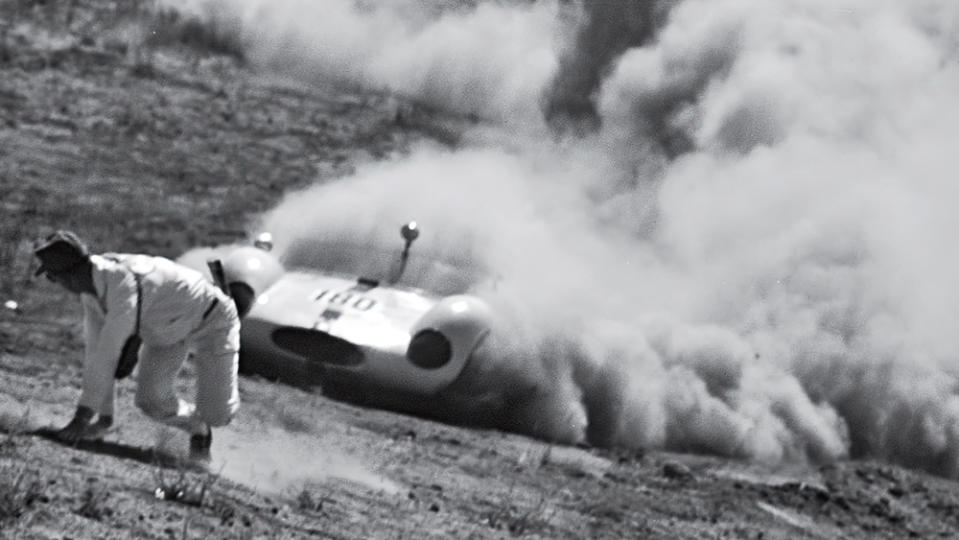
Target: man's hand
pixel 80 427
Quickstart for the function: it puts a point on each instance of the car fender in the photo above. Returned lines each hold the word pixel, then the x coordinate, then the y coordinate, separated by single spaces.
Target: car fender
pixel 464 321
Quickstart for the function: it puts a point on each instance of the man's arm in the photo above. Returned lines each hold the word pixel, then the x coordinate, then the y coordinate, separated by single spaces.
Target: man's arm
pixel 92 326
pixel 103 346
pixel 97 373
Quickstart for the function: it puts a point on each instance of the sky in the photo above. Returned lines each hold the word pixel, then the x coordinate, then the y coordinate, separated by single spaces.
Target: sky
pixel 706 225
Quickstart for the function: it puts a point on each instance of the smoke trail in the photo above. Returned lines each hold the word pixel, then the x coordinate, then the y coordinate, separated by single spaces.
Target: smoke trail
pixel 751 256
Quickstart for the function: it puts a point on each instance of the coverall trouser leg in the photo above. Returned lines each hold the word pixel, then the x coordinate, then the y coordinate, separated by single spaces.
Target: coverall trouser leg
pixel 215 345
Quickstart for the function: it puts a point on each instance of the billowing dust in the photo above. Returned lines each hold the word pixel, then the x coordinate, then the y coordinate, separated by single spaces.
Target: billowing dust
pixel 719 226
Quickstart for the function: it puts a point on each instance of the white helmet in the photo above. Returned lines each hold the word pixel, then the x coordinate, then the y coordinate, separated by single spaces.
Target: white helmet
pixel 249 271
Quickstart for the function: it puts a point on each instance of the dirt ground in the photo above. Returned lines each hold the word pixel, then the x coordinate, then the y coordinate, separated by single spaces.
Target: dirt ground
pixel 161 146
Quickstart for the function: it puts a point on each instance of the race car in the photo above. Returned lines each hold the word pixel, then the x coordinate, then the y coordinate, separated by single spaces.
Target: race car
pixel 362 338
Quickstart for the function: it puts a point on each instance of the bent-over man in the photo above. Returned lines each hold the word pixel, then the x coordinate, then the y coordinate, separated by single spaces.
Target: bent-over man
pixel 174 310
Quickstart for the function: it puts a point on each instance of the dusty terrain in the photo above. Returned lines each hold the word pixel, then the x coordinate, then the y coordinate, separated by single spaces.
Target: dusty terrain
pixel 166 143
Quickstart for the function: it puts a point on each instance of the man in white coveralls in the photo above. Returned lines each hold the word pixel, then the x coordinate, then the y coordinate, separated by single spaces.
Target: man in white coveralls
pixel 174 310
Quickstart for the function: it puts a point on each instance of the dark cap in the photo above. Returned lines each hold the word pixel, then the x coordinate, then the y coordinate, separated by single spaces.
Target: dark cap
pixel 60 252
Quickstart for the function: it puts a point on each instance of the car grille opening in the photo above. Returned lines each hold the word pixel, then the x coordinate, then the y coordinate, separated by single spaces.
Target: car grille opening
pixel 317 346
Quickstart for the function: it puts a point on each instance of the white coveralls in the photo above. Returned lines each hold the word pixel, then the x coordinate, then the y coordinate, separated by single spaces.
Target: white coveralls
pixel 181 311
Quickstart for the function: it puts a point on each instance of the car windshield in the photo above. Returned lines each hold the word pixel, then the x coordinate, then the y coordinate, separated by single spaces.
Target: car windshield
pixel 425 270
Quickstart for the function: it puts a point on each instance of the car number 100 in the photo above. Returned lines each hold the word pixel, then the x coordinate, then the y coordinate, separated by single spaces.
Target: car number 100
pixel 347 299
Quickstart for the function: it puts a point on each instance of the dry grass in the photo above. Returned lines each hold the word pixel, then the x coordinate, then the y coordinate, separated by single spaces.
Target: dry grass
pixel 515 512
pixel 20 487
pixel 183 486
pixel 15 242
pixel 217 35
pixel 307 501
pixel 118 155
pixel 94 503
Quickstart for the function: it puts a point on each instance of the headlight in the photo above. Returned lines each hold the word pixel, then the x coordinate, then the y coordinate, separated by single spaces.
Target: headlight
pixel 429 349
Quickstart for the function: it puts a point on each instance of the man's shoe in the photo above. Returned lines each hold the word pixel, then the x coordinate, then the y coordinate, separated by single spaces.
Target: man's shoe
pixel 200 445
pixel 96 430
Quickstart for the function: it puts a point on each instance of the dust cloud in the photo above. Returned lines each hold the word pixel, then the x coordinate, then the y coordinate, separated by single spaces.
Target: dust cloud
pixel 490 60
pixel 240 457
pixel 747 251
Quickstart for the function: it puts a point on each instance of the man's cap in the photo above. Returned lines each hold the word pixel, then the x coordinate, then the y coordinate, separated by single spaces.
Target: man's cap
pixel 60 252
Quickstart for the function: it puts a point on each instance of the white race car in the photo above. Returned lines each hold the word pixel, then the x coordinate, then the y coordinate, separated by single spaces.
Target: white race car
pixel 355 337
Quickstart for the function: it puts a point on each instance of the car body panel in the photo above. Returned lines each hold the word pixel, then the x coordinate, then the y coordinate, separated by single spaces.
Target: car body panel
pixel 377 320
pixel 311 327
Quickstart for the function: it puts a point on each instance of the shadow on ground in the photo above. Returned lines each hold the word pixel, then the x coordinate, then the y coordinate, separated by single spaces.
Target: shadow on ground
pixel 147 456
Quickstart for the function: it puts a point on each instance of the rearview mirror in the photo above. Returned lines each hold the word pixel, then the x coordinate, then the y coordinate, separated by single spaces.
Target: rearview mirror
pixel 410 232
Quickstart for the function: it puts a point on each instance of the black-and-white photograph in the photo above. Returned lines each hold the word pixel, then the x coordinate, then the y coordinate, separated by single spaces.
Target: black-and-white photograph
pixel 484 269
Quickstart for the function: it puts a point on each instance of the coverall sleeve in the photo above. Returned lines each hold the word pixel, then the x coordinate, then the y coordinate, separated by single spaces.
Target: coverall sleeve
pixel 92 325
pixel 104 341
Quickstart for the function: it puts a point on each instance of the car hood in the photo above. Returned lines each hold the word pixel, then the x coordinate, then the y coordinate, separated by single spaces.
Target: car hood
pixel 359 311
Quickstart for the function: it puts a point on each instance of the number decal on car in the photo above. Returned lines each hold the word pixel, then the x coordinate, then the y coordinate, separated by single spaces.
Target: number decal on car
pixel 345 298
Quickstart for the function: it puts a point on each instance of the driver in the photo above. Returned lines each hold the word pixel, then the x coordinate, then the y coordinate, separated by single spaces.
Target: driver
pixel 178 311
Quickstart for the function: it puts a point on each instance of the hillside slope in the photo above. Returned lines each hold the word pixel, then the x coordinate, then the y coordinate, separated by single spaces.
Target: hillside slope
pixel 167 144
